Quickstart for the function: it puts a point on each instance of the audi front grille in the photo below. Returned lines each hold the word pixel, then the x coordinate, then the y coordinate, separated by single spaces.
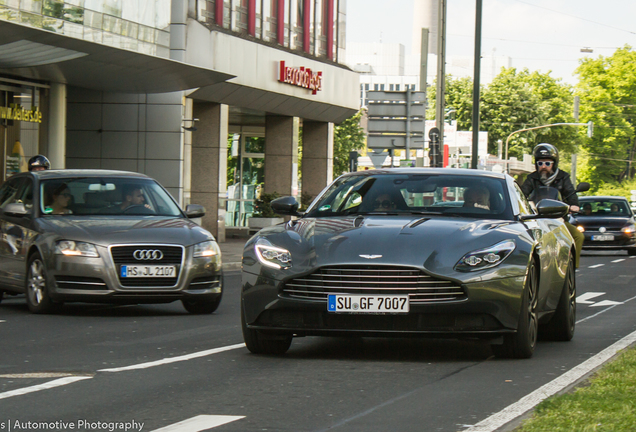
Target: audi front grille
pixel 170 255
pixel 378 280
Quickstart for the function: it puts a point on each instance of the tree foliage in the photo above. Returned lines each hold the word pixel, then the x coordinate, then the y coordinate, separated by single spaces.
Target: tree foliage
pixel 514 100
pixel 607 88
pixel 348 136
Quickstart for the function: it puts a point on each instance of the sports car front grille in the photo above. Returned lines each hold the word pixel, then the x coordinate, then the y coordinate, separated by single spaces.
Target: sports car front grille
pixel 378 280
pixel 124 255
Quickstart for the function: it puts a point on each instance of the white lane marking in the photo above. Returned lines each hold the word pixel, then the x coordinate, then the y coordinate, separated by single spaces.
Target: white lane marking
pixel 605 303
pixel 48 385
pixel 199 423
pixel 2 321
pixel 585 297
pixel 528 402
pixel 597 265
pixel 618 260
pixel 174 359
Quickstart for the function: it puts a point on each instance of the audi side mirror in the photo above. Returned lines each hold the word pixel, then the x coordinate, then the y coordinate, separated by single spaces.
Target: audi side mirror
pixel 194 211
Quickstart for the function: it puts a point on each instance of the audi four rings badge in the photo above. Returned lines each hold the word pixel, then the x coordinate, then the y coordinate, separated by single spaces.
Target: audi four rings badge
pixel 148 254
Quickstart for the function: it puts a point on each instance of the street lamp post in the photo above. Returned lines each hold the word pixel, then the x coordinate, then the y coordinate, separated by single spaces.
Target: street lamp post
pixel 590 126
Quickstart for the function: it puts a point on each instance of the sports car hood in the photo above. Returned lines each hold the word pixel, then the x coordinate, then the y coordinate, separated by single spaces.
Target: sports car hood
pixel 436 243
pixel 105 231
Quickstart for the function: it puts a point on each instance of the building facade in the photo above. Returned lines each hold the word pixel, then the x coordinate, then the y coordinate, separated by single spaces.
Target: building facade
pixel 207 96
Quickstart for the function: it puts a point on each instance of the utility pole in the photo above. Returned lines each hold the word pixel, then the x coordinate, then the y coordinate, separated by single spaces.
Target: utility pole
pixel 424 61
pixel 440 97
pixel 475 151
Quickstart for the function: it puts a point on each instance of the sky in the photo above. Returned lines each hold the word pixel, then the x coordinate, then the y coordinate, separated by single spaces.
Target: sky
pixel 541 35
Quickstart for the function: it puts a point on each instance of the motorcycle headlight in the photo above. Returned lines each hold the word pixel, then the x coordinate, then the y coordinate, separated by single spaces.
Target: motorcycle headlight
pixel 629 229
pixel 486 258
pixel 73 248
pixel 272 256
pixel 580 228
pixel 206 249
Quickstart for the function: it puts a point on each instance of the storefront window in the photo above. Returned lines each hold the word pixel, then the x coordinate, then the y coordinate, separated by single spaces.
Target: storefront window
pixel 20 117
pixel 246 175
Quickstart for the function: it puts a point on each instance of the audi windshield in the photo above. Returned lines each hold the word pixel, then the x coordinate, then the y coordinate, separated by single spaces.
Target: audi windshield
pixel 105 196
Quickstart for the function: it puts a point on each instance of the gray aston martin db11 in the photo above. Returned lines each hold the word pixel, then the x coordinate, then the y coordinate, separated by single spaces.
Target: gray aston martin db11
pixel 103 236
pixel 412 252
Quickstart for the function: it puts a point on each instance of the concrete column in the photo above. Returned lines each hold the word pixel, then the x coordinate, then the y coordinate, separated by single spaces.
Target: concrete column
pixel 178 27
pixel 281 155
pixel 57 126
pixel 317 157
pixel 208 184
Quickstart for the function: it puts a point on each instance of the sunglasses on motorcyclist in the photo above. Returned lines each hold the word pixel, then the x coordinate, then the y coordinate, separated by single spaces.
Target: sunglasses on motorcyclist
pixel 546 163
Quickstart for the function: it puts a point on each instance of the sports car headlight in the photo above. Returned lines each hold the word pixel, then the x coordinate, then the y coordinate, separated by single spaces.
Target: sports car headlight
pixel 272 256
pixel 73 248
pixel 206 249
pixel 486 258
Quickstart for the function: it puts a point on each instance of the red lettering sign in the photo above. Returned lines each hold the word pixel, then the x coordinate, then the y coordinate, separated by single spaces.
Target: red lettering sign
pixel 300 77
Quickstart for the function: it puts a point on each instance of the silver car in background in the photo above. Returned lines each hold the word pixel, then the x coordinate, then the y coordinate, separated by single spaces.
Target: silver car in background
pixel 103 236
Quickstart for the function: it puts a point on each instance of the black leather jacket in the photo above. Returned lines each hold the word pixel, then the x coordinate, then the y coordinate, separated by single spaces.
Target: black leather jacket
pixel 562 183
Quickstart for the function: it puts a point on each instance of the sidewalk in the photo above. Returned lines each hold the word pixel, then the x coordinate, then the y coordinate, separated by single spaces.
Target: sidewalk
pixel 232 253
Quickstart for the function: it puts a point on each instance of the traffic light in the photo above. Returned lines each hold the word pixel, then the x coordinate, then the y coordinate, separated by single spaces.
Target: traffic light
pixel 434 153
pixel 353 161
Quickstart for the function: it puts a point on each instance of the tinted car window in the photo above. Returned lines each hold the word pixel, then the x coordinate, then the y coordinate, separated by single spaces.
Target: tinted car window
pixel 105 196
pixel 477 196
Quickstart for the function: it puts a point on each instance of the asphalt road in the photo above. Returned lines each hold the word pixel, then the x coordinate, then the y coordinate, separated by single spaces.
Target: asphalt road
pixel 150 367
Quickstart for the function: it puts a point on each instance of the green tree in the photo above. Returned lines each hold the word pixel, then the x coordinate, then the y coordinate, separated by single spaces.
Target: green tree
pixel 514 100
pixel 607 88
pixel 348 136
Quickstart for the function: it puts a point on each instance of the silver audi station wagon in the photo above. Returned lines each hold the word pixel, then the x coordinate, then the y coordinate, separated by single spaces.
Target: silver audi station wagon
pixel 103 236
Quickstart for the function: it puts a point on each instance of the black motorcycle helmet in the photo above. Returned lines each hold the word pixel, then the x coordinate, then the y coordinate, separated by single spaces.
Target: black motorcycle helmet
pixel 39 161
pixel 546 151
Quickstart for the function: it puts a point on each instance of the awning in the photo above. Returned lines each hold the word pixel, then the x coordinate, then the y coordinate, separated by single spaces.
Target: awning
pixel 33 53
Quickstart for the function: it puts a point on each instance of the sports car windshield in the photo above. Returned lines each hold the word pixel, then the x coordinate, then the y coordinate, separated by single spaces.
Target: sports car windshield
pixel 454 195
pixel 105 196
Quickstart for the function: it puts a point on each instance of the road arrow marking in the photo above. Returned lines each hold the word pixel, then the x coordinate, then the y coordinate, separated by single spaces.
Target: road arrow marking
pixel 584 298
pixel 605 303
pixel 199 423
pixel 597 265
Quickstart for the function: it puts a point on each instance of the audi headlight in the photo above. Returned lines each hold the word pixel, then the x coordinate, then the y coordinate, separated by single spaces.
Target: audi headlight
pixel 73 248
pixel 272 256
pixel 486 258
pixel 206 249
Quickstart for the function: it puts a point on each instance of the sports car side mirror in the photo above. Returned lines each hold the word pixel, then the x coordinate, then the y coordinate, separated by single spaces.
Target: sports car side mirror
pixel 548 209
pixel 194 211
pixel 287 206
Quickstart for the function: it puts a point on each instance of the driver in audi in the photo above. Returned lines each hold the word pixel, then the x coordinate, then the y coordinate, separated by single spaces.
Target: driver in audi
pixel 133 196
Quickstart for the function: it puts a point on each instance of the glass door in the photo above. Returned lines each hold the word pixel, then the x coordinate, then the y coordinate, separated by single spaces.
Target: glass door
pixel 246 175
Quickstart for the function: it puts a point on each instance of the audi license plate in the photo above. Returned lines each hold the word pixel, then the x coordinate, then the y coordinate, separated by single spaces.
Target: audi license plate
pixel 368 304
pixel 605 237
pixel 146 271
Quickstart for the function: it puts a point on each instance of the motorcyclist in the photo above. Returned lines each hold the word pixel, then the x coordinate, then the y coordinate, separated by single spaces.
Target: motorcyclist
pixel 39 163
pixel 546 162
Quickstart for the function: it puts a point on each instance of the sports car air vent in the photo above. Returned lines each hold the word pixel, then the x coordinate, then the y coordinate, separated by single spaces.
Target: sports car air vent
pixel 421 287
